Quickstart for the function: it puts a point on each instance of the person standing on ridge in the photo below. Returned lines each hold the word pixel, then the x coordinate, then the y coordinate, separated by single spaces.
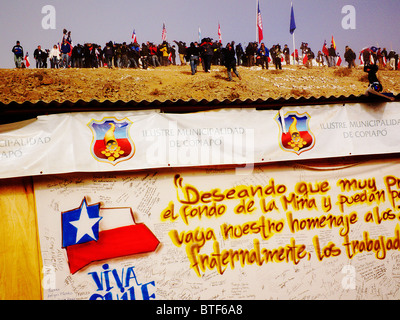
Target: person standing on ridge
pixel 286 53
pixel 18 54
pixel 181 51
pixel 193 55
pixel 263 54
pixel 350 57
pixel 228 57
pixel 207 53
pixel 39 56
pixel 109 54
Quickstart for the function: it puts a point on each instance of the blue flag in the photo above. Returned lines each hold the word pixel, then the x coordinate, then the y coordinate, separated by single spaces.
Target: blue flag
pixel 292 22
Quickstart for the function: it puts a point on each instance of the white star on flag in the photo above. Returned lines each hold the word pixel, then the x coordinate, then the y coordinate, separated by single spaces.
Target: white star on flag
pixel 84 224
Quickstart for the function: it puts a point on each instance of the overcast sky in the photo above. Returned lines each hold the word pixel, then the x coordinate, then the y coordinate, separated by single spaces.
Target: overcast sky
pixel 100 21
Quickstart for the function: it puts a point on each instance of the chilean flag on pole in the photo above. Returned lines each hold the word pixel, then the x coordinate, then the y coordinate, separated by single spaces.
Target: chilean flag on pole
pixel 339 61
pixel 90 234
pixel 325 49
pixel 134 39
pixel 27 62
pixel 164 33
pixel 259 24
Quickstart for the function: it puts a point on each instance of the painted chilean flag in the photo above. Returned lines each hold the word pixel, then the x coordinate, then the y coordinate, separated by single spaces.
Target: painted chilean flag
pixel 90 234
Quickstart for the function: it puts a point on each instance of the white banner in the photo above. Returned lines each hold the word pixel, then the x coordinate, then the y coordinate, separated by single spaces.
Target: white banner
pixel 119 141
pixel 281 232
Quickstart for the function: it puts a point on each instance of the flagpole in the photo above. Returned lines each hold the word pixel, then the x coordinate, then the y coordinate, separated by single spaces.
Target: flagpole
pixel 294 44
pixel 294 51
pixel 199 32
pixel 257 4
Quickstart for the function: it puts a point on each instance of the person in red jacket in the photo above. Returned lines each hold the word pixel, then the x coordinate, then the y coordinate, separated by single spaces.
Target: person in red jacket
pixel 153 55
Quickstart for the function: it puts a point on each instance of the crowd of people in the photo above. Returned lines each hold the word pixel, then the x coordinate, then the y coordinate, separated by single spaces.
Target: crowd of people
pixel 205 53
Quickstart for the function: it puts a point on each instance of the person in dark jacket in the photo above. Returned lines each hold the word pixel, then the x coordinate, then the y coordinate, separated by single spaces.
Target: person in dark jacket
pixel 65 50
pixel 228 56
pixel 134 55
pixel 239 54
pixel 109 54
pixel 193 55
pixel 277 56
pixel 124 56
pixel 374 82
pixel 144 56
pixel 18 54
pixel 286 53
pixel 375 87
pixel 77 56
pixel 332 56
pixel 250 51
pixel 173 55
pixel 207 53
pixel 39 56
pixel 310 57
pixel 350 57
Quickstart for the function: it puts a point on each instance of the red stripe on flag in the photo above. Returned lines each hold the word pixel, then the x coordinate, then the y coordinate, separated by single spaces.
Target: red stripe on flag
pixel 305 59
pixel 112 243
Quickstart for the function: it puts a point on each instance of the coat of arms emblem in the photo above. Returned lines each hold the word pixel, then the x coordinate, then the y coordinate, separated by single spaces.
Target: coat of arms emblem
pixel 295 134
pixel 111 141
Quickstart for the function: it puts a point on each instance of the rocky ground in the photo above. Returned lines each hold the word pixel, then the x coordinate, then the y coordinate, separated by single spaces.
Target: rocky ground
pixel 176 82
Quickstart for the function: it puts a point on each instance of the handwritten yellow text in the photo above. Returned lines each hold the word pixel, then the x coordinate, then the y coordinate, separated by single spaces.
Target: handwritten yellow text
pixel 220 260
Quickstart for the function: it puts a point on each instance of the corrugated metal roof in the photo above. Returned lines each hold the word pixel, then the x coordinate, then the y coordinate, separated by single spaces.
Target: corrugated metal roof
pixel 13 111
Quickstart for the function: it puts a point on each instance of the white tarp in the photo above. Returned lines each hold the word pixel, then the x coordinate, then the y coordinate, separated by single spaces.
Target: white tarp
pixel 119 141
pixel 279 232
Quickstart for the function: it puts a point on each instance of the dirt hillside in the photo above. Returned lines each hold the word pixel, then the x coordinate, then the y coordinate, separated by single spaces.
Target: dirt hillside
pixel 176 82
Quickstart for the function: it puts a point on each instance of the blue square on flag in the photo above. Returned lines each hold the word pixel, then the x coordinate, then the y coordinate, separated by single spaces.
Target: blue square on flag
pixel 80 225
